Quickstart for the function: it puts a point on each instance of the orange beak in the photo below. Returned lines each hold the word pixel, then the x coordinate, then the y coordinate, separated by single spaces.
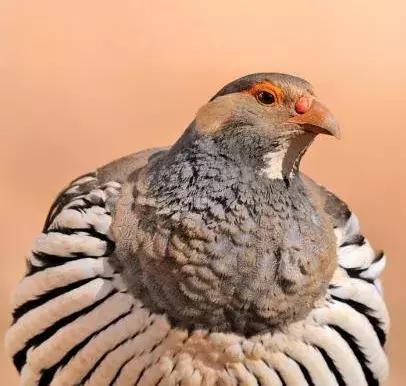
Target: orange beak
pixel 316 119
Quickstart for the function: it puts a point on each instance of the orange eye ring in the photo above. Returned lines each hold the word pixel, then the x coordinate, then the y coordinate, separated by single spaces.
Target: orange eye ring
pixel 262 90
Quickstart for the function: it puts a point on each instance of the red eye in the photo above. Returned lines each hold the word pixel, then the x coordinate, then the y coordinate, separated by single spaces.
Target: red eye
pixel 266 97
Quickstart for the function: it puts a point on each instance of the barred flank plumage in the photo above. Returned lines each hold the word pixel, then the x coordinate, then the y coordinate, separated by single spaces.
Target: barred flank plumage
pixel 74 322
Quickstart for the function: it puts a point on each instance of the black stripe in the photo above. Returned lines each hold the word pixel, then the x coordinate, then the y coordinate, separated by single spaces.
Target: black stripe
pixel 55 260
pixel 354 240
pixel 120 369
pixel 90 231
pixel 159 380
pixel 21 356
pixel 139 376
pixel 366 311
pixel 62 199
pixel 362 360
pixel 90 174
pixel 45 297
pixel 100 360
pixel 259 383
pixel 48 374
pixel 277 372
pixel 356 272
pixel 158 343
pixel 304 370
pixel 378 257
pixel 331 365
pixel 48 261
pixel 32 269
pixel 80 208
pixel 87 204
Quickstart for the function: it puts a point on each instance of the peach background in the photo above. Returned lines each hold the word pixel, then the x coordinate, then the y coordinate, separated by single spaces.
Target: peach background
pixel 84 82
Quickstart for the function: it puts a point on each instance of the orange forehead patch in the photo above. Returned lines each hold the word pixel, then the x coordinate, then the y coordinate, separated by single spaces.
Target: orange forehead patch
pixel 269 87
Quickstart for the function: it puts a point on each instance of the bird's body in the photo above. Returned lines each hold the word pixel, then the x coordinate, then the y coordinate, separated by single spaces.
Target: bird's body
pixel 212 262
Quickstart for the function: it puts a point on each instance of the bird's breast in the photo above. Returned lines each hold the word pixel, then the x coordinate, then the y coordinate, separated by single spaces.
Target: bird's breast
pixel 246 266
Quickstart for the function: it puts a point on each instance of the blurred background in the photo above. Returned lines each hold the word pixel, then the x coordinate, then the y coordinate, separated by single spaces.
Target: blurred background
pixel 84 82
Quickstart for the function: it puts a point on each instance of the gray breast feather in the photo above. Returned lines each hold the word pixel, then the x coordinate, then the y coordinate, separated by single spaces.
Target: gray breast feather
pixel 75 323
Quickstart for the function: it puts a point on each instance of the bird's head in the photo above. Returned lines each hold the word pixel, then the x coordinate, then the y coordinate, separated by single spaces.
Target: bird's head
pixel 269 119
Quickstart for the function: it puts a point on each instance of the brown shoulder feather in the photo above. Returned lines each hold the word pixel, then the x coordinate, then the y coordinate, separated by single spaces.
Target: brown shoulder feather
pixel 121 168
pixel 329 202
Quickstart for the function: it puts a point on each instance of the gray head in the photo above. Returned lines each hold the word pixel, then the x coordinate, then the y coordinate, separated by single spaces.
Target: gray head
pixel 270 116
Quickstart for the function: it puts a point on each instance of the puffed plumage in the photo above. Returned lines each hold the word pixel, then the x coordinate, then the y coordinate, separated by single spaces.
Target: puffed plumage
pixel 214 261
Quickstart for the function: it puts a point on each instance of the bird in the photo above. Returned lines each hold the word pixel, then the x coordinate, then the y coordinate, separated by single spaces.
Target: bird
pixel 214 261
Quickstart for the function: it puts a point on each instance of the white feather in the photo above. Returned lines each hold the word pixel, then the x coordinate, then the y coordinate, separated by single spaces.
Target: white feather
pixel 72 218
pixel 62 245
pixel 55 277
pixel 143 342
pixel 345 317
pixel 274 163
pixel 73 333
pixel 342 355
pixel 38 319
pixel 107 369
pixel 85 359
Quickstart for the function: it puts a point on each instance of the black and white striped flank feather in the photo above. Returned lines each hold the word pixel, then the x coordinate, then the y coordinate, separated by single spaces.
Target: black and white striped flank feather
pixel 74 322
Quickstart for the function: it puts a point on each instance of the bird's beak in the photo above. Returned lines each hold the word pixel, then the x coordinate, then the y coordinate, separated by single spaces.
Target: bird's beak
pixel 317 119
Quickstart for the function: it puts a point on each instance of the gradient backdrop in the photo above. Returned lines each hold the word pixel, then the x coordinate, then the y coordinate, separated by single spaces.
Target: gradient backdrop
pixel 84 82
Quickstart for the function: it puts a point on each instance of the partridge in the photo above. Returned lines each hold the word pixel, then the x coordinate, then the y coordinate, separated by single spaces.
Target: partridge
pixel 212 262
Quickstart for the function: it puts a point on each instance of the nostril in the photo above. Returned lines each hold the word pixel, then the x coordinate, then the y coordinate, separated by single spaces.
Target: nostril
pixel 303 105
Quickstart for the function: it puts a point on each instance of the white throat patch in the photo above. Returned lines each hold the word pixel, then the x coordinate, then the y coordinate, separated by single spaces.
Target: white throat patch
pixel 274 163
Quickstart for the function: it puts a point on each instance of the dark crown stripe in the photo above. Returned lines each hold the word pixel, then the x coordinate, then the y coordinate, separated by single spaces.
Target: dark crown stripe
pixel 21 356
pixel 362 360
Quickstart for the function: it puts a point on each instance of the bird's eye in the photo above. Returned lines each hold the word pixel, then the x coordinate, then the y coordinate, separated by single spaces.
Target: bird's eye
pixel 266 97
